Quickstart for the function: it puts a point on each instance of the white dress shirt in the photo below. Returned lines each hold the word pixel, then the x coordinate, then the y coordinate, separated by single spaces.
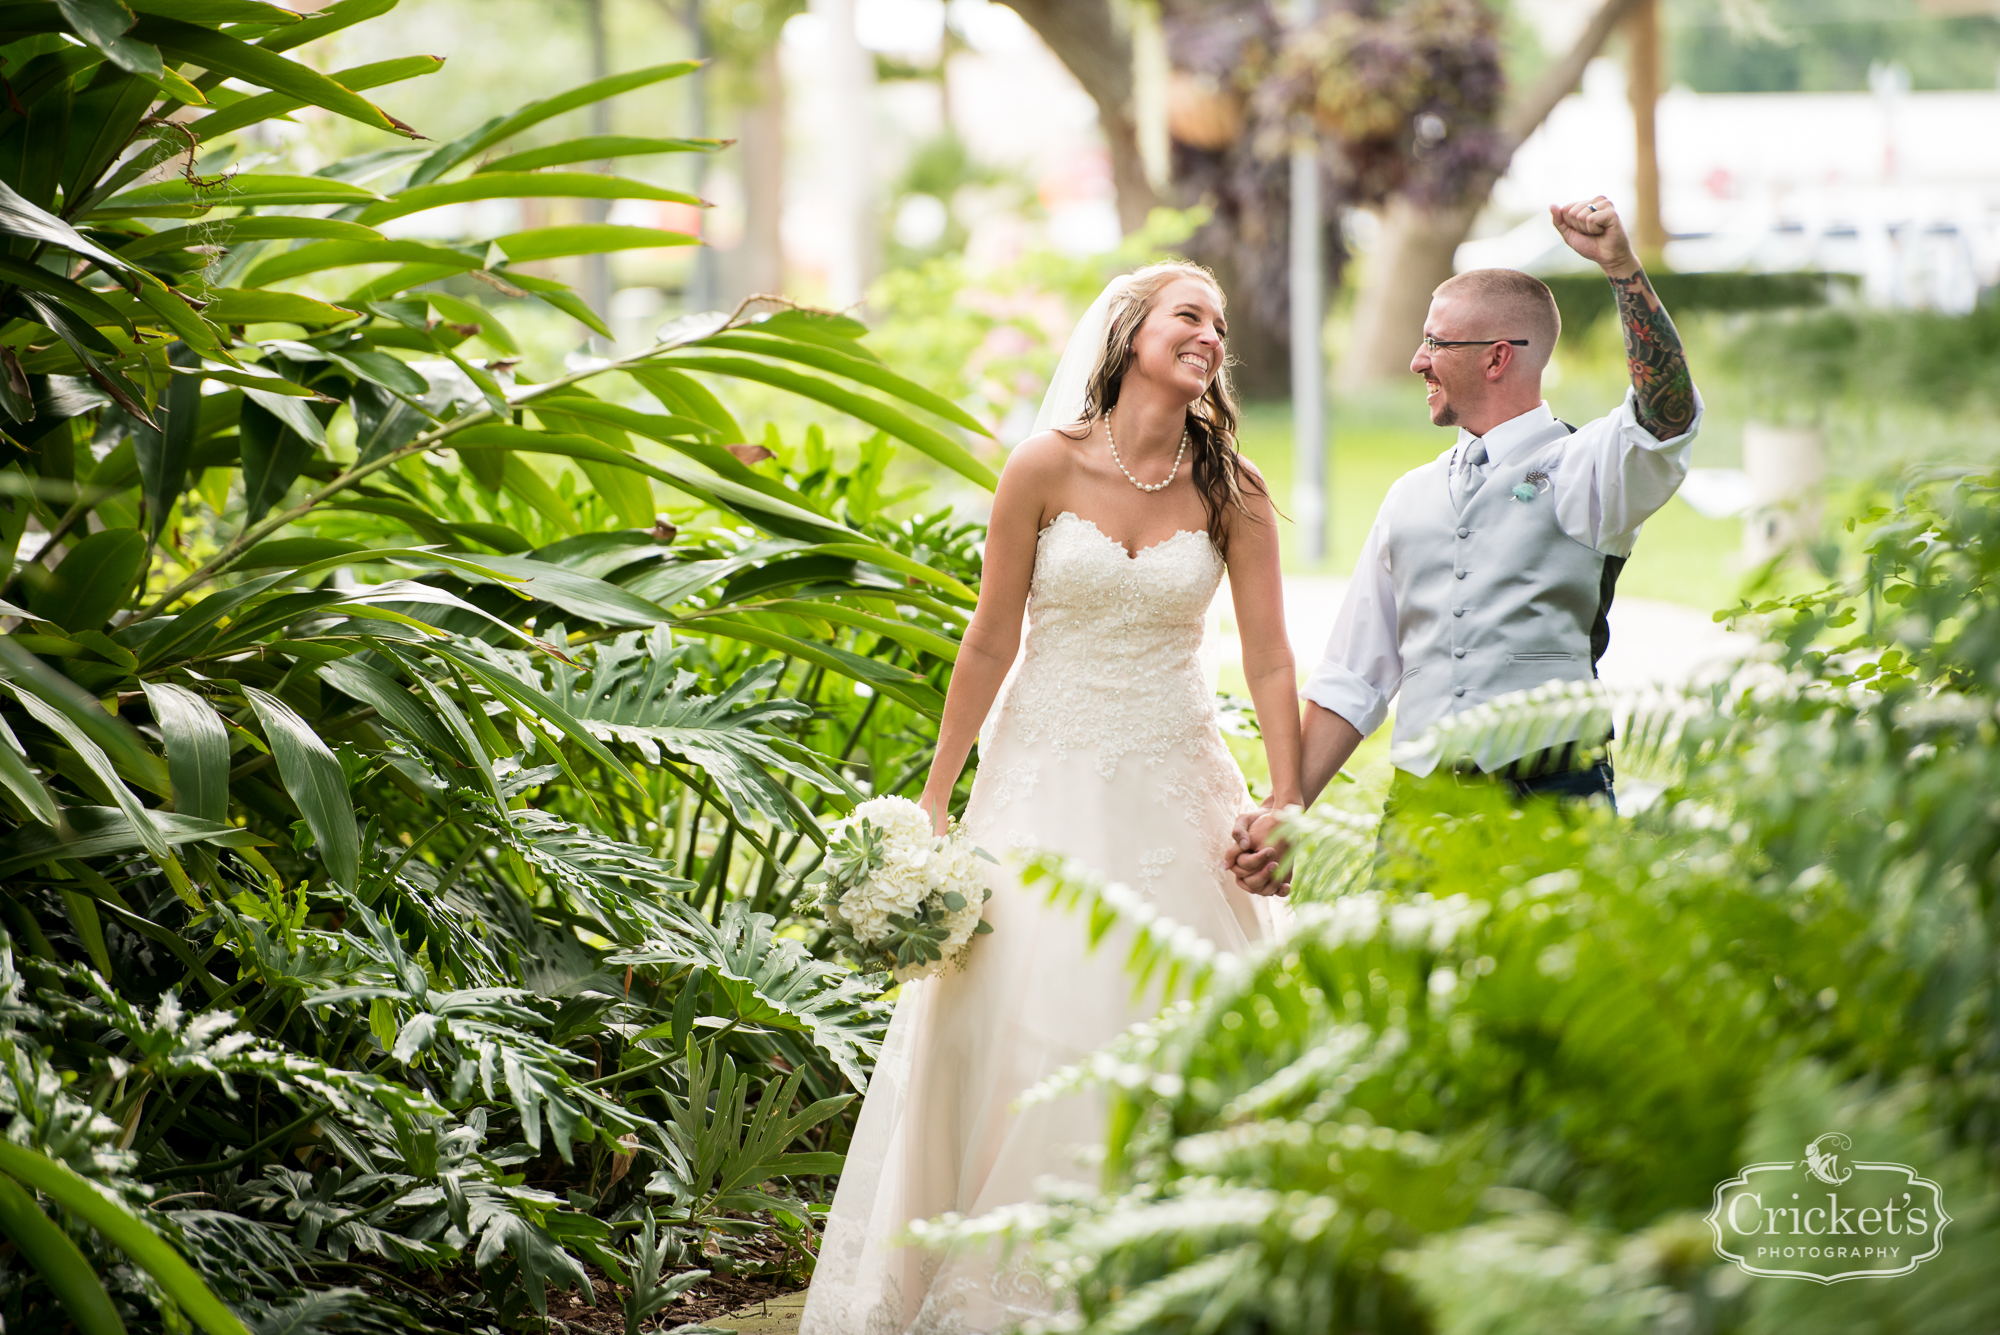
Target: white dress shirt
pixel 1616 474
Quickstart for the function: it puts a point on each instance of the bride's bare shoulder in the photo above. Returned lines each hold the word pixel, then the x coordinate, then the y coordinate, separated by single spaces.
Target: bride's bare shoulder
pixel 1044 459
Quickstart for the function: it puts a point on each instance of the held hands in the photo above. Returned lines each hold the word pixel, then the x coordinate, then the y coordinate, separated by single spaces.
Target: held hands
pixel 1256 852
pixel 1592 229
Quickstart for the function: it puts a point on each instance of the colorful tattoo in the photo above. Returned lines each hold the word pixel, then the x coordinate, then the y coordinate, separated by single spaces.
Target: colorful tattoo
pixel 1653 354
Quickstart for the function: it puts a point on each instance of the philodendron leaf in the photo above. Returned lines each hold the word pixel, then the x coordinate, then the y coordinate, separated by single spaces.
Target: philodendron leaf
pixel 313 777
pixel 197 750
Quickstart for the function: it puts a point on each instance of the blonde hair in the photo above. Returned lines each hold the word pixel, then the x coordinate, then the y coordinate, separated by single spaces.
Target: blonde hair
pixel 1218 469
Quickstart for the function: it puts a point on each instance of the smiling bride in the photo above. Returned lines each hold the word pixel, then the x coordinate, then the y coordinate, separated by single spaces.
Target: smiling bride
pixel 1110 535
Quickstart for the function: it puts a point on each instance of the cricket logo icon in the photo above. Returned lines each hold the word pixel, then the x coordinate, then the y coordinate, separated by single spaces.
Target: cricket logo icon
pixel 1828 1216
pixel 1823 1158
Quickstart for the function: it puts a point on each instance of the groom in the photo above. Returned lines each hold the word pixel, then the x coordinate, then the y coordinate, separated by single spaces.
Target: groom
pixel 1490 569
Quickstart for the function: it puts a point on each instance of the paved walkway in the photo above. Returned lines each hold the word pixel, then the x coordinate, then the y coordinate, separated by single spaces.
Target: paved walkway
pixel 779 1316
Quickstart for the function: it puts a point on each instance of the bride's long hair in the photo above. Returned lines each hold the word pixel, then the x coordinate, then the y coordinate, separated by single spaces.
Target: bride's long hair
pixel 1219 471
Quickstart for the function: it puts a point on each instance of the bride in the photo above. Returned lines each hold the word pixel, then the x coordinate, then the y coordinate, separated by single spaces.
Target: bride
pixel 1111 535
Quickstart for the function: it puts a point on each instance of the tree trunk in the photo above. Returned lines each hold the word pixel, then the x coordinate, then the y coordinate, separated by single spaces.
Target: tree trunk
pixel 1090 41
pixel 1642 29
pixel 759 262
pixel 597 268
pixel 1414 252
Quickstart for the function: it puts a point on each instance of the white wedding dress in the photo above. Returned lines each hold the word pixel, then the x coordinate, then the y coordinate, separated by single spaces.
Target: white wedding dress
pixel 1107 749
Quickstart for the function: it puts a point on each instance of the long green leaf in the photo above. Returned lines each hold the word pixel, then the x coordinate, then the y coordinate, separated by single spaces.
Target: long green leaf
pixel 782 517
pixel 330 19
pixel 197 750
pixel 519 185
pixel 96 832
pixel 163 453
pixel 911 689
pixel 78 296
pixel 313 777
pixel 116 736
pixel 579 595
pixel 93 757
pixel 396 706
pixel 551 243
pixel 95 579
pixel 249 188
pixel 103 24
pixel 322 255
pixel 20 218
pixel 233 231
pixel 22 781
pixel 596 148
pixel 872 411
pixel 502 128
pixel 257 65
pixel 218 11
pixel 125 1230
pixel 62 1266
pixel 273 106
pixel 868 372
pixel 235 306
pixel 512 688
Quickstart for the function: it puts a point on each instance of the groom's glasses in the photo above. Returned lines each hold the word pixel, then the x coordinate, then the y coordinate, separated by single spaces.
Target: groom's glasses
pixel 1433 344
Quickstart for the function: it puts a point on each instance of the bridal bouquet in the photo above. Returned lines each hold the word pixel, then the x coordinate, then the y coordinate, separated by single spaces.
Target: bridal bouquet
pixel 895 895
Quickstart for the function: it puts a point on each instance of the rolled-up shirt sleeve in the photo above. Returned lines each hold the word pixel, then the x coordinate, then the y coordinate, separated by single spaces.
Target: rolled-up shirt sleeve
pixel 1358 674
pixel 1616 474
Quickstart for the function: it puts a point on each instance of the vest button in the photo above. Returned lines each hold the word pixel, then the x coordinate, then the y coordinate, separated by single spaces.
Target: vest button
pixel 1458 574
pixel 1458 611
pixel 1458 653
pixel 1458 690
pixel 1465 533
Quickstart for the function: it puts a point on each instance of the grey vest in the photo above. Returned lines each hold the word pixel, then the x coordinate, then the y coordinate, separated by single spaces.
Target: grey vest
pixel 1494 600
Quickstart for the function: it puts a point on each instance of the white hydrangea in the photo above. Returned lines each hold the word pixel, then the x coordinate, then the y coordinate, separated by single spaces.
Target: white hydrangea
pixel 915 872
pixel 960 871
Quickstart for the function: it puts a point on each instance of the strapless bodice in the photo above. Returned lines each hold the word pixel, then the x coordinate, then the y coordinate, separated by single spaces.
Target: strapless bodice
pixel 1113 659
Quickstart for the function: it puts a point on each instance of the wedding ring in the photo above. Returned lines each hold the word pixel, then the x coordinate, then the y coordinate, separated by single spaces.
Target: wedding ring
pixel 1592 208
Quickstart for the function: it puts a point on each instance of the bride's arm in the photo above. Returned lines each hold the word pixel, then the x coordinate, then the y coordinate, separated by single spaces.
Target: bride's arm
pixel 1257 586
pixel 987 650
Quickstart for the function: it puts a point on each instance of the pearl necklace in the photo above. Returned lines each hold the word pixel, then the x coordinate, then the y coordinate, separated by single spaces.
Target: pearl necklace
pixel 1157 486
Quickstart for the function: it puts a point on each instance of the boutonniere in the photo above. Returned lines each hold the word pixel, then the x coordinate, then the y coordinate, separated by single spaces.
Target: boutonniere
pixel 1528 487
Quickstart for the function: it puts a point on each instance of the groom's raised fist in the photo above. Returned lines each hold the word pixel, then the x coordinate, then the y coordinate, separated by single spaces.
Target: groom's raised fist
pixel 1592 228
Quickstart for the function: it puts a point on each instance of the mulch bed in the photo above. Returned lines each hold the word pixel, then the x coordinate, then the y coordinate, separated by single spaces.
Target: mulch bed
pixel 715 1296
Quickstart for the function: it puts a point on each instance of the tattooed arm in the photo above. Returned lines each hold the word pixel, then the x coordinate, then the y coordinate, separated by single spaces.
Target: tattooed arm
pixel 1660 376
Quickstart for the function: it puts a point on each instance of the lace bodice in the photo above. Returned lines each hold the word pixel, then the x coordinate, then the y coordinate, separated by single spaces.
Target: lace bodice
pixel 1113 659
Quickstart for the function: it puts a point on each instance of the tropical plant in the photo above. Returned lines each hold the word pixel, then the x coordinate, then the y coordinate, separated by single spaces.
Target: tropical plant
pixel 407 767
pixel 1492 1079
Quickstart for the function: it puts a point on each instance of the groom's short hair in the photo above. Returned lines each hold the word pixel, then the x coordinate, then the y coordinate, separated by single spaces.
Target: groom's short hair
pixel 1522 305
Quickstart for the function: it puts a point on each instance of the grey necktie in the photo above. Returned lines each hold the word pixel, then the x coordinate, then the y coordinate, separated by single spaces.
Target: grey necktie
pixel 1470 472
